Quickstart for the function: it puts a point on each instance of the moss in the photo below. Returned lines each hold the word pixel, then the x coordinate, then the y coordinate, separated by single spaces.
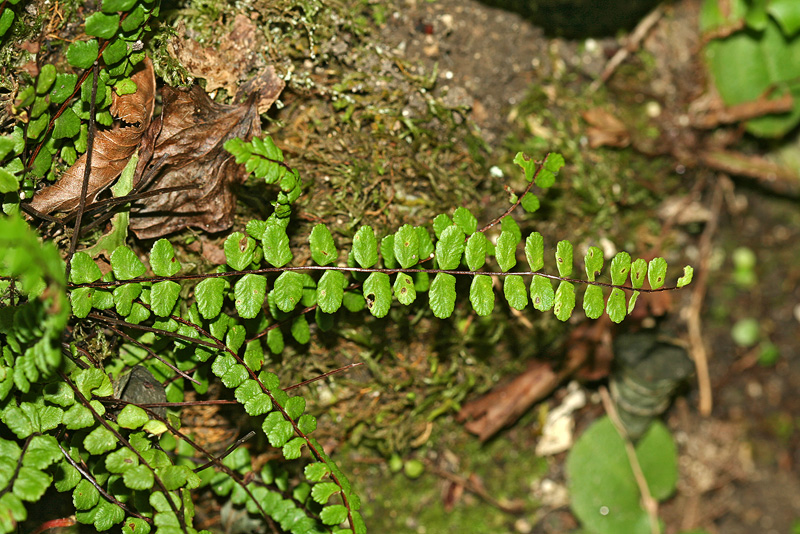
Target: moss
pixel 405 505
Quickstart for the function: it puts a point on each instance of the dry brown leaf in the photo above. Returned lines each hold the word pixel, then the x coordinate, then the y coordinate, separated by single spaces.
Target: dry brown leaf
pixel 605 129
pixel 189 152
pixel 226 65
pixel 112 148
pixel 267 85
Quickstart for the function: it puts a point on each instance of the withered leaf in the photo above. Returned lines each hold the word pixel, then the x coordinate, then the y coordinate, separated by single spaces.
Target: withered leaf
pixel 266 84
pixel 605 129
pixel 226 66
pixel 189 152
pixel 112 148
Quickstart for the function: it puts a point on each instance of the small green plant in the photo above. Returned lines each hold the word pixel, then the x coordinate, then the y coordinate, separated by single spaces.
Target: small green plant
pixel 603 488
pixel 753 53
pixel 126 462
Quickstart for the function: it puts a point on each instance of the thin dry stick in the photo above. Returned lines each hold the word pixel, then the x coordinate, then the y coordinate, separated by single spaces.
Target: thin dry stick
pixel 649 503
pixel 697 344
pixel 631 45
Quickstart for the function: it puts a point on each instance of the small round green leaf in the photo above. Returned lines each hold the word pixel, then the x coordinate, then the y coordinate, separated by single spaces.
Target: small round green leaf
pixel 293 448
pixel 275 341
pixel 330 291
pixel 404 290
pixel 280 433
pixel 378 294
pixel 506 251
pixel 99 440
pixel 209 296
pixel 686 279
pixel 333 514
pixel 542 294
pixel 102 25
pixel 515 291
pixel 465 220
pixel 620 267
pixel 234 376
pixel 288 290
pixel 638 271
pixel 275 244
pixel 475 252
pixel 132 417
pixel 63 87
pixel 365 247
pixel 530 202
pixel 41 452
pixel 67 125
pixel 440 222
pixel 594 263
pixel 616 307
pixel 442 293
pixel 121 459
pixel 481 294
pixel 534 251
pixel 81 301
pixel 163 297
pixel 126 264
pixel 300 330
pixel 307 423
pixel 239 250
pixel 426 248
pixel 450 247
pixel 82 54
pixel 47 75
pixel 323 491
pixel 163 260
pixel 564 301
pixel 564 258
pixel 138 478
pixel 249 292
pixel 85 495
pixel 173 476
pixel 406 246
pixel 593 303
pixel 77 417
pixel 258 405
pixel 323 249
pixel 387 252
pixel 83 269
pixel 315 472
pixel 657 272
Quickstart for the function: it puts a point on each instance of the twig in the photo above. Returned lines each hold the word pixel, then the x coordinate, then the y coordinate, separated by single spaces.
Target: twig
pixel 474 488
pixel 323 375
pixel 87 171
pixel 649 503
pixel 233 447
pixel 632 43
pixel 110 498
pixel 153 353
pixel 697 347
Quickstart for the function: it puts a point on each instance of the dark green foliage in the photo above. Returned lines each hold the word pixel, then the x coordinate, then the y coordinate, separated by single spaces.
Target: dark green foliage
pixel 755 54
